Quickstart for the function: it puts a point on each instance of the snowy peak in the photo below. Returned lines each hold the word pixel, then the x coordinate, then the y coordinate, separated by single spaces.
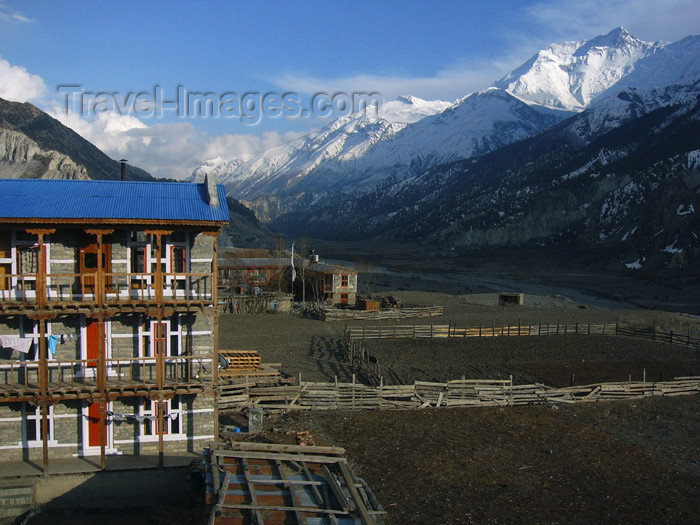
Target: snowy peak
pixel 569 75
pixel 217 167
pixel 408 109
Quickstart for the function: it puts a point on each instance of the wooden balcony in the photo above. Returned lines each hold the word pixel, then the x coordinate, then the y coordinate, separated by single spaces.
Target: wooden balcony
pixel 82 378
pixel 75 291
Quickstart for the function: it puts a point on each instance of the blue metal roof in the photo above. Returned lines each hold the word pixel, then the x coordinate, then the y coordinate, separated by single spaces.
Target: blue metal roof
pixel 88 199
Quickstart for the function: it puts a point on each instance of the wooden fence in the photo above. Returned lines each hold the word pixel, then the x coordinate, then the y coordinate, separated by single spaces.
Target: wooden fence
pixel 421 394
pixel 332 314
pixel 539 329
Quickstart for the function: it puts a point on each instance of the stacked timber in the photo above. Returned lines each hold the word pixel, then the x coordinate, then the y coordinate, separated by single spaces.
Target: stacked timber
pixel 424 394
pixel 332 314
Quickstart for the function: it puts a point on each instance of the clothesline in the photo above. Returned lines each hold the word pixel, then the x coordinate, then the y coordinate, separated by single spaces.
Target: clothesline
pixel 116 416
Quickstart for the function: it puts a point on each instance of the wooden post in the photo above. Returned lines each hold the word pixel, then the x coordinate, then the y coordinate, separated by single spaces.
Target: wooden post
pixel 161 449
pixel 41 270
pixel 159 270
pixel 44 391
pixel 45 435
pixel 101 384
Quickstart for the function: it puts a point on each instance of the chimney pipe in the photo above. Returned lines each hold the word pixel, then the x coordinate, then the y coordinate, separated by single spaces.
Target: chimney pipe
pixel 123 163
pixel 212 191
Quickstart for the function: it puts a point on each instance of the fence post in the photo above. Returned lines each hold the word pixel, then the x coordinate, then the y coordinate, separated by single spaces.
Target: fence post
pixel 670 338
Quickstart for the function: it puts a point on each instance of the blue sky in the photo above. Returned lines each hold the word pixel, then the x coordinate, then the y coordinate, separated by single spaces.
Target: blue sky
pixel 434 50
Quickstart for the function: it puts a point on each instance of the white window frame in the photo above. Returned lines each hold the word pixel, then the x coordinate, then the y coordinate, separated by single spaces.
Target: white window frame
pixel 32 415
pixel 152 424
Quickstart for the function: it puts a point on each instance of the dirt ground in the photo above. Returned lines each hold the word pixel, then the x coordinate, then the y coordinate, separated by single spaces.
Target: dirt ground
pixel 313 348
pixel 610 462
pixel 614 462
pixel 553 360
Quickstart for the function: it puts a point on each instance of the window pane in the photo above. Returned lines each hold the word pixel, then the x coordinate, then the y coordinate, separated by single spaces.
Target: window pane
pixel 178 259
pixel 138 259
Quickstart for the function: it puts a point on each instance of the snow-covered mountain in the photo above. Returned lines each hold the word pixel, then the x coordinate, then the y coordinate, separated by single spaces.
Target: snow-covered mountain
pixel 329 153
pixel 570 75
pixel 218 166
pixel 354 155
pixel 408 109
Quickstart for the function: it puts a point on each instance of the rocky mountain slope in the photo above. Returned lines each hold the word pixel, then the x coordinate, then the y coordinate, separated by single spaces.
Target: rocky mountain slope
pixel 47 137
pixel 624 172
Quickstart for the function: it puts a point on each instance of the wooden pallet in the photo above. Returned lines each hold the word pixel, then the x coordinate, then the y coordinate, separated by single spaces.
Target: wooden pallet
pixel 240 361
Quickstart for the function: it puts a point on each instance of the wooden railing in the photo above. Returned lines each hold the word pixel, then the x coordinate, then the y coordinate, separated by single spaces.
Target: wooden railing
pixel 117 289
pixel 81 375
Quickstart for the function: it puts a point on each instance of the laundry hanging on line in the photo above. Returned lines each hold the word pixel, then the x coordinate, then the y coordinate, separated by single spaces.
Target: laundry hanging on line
pixel 21 344
pixel 53 340
pixel 116 416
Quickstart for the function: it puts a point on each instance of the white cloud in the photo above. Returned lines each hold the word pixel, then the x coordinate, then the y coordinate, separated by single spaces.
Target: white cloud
pixel 450 83
pixel 12 16
pixel 18 85
pixel 170 150
pixel 582 19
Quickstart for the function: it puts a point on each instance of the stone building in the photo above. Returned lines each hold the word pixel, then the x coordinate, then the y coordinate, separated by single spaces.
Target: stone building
pixel 108 317
pixel 331 284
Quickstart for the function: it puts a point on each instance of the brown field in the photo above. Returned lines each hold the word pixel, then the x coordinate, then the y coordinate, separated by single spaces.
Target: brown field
pixel 611 462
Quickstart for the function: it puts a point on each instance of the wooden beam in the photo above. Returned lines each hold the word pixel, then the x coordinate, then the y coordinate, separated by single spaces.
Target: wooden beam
pixel 296 501
pixel 251 490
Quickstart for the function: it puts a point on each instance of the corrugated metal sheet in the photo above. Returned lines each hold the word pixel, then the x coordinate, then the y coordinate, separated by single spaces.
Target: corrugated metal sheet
pixel 72 199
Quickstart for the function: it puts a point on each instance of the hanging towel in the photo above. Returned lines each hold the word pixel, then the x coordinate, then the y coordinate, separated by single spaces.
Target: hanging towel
pixel 21 344
pixel 53 339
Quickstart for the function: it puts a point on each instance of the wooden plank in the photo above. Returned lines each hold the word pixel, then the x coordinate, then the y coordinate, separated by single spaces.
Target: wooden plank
pixel 277 447
pixel 251 490
pixel 296 501
pixel 351 482
pixel 336 489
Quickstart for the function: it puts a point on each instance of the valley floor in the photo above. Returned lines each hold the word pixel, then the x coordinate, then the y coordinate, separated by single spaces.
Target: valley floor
pixel 608 462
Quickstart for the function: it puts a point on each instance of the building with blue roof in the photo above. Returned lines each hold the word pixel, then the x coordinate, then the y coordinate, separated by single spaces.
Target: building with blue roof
pixel 108 317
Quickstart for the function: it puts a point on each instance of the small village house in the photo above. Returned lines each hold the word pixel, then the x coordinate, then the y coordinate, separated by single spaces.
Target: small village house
pixel 330 283
pixel 246 275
